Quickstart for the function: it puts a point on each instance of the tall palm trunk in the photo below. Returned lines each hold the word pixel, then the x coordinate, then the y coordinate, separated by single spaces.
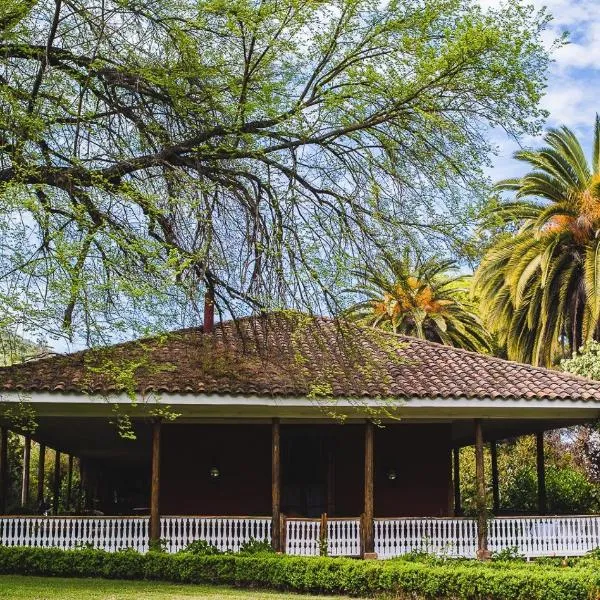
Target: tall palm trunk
pixel 576 338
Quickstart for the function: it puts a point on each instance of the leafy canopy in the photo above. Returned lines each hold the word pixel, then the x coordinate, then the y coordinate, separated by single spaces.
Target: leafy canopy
pixel 151 150
pixel 420 297
pixel 541 287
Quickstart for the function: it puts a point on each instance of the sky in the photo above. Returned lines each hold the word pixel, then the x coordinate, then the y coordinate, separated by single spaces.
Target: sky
pixel 573 94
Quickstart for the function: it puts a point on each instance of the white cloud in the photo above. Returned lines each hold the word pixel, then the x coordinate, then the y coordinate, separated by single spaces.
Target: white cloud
pixel 573 93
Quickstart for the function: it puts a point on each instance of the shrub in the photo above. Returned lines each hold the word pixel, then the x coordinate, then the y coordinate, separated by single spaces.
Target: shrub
pixel 511 553
pixel 201 548
pixel 256 547
pixel 459 580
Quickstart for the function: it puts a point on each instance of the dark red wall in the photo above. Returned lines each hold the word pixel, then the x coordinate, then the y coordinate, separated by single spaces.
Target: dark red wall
pixel 241 453
pixel 420 455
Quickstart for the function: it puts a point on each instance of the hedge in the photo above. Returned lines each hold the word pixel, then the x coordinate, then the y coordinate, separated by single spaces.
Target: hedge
pixel 452 579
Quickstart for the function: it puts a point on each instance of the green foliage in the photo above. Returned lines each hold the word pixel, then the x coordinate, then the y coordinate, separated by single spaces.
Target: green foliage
pixel 153 150
pixel 508 554
pixel 421 297
pixel 256 547
pixel 201 548
pixel 569 489
pixel 459 580
pixel 586 362
pixel 542 285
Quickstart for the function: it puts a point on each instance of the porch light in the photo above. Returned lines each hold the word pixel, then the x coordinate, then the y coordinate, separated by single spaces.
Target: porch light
pixel 214 472
pixel 391 474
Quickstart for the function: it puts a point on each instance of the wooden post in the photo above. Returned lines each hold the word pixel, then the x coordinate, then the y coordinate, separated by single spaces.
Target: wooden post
pixel 283 532
pixel 26 469
pixel 3 469
pixel 69 482
pixel 495 485
pixel 276 484
pixel 456 481
pixel 41 474
pixel 541 473
pixel 369 500
pixel 323 535
pixel 56 486
pixel 155 486
pixel 482 538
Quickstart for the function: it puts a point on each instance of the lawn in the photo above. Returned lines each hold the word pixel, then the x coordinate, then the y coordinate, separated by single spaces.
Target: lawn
pixel 15 587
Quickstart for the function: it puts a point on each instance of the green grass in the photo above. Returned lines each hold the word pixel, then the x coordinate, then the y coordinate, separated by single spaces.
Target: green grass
pixel 15 587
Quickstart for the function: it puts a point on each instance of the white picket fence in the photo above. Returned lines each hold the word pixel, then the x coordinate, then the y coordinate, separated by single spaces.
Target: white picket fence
pixel 445 537
pixel 343 537
pixel 225 533
pixel 68 533
pixel 528 536
pixel 302 537
pixel 545 536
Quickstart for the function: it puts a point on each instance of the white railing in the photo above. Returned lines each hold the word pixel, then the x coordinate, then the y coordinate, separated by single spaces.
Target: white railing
pixel 528 536
pixel 446 537
pixel 225 533
pixel 106 533
pixel 302 537
pixel 343 537
pixel 545 536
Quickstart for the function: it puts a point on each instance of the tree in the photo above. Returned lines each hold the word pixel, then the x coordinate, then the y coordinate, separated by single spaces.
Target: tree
pixel 541 287
pixel 569 488
pixel 152 150
pixel 419 296
pixel 14 348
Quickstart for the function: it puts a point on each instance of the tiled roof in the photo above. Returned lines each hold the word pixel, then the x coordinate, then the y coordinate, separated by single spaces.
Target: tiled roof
pixel 293 355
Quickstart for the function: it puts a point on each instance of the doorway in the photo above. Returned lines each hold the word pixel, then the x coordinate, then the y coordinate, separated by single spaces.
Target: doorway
pixel 306 463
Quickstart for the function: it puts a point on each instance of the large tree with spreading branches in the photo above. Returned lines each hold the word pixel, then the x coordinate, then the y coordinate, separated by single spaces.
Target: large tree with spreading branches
pixel 150 150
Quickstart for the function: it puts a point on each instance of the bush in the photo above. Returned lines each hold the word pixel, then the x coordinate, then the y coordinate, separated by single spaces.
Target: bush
pixel 256 547
pixel 568 491
pixel 459 580
pixel 201 548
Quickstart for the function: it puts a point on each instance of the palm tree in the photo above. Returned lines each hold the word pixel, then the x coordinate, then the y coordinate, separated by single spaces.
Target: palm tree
pixel 415 296
pixel 540 289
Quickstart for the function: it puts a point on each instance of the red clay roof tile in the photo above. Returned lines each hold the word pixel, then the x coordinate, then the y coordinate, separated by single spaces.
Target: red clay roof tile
pixel 293 355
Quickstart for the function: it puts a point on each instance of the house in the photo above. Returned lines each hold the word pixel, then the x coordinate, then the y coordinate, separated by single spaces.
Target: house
pixel 291 427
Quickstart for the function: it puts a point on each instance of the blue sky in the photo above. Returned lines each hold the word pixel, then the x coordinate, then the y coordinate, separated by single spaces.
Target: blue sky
pixel 573 94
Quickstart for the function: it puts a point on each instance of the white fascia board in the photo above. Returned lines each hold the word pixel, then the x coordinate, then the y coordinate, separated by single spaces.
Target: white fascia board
pixel 69 404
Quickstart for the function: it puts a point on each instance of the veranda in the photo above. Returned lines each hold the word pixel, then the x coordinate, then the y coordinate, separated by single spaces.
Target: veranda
pixel 362 535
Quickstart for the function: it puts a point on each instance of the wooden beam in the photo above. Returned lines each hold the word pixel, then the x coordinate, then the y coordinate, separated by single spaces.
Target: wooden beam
pixel 69 483
pixel 369 513
pixel 276 485
pixel 155 485
pixel 456 482
pixel 3 469
pixel 495 483
pixel 26 471
pixel 56 484
pixel 41 474
pixel 481 503
pixel 541 473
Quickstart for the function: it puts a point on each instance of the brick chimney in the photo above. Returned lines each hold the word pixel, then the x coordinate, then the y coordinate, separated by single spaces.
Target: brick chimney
pixel 209 312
